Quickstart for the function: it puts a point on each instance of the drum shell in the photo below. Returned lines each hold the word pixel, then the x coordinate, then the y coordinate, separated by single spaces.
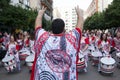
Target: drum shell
pixel 23 56
pixel 81 63
pixel 107 68
pixel 95 60
pixel 10 65
pixel 96 57
pixel 29 60
pixel 29 64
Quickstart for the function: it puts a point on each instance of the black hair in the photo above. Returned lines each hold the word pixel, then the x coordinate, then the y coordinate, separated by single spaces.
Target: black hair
pixel 101 38
pixel 58 26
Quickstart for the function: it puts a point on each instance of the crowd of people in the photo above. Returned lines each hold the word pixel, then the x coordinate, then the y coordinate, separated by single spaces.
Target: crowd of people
pixel 57 52
pixel 105 42
pixel 100 41
pixel 11 44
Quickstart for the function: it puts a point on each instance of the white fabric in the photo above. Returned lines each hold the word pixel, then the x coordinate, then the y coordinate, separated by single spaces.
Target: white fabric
pixel 53 43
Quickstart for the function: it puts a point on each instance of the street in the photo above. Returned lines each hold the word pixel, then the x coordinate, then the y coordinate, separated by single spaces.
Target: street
pixel 55 33
pixel 92 74
pixel 23 75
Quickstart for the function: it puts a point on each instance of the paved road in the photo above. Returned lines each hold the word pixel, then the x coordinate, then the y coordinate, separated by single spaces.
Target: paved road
pixel 23 75
pixel 92 74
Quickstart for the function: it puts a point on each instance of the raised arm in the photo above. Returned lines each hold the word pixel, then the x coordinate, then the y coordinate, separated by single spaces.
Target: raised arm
pixel 79 18
pixel 38 22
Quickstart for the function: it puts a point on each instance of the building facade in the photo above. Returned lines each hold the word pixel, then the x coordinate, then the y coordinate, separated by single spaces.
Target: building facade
pixel 70 18
pixel 103 4
pixel 56 13
pixel 36 5
pixel 49 11
pixel 97 6
pixel 22 3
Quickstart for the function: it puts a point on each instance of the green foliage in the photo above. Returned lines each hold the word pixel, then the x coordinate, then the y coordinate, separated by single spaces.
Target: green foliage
pixel 4 3
pixel 15 17
pixel 107 19
pixel 96 21
pixel 46 24
pixel 112 14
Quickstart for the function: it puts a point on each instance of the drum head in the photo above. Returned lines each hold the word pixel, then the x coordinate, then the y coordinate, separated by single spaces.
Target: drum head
pixel 96 54
pixel 107 60
pixel 30 58
pixel 8 58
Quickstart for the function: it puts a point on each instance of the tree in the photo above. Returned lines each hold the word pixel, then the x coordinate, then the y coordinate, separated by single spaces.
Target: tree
pixel 107 19
pixel 15 17
pixel 96 21
pixel 112 14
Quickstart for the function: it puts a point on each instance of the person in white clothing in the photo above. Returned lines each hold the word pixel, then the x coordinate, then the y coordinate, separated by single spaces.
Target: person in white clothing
pixel 12 49
pixel 56 52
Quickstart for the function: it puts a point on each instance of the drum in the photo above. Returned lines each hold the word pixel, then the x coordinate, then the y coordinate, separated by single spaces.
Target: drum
pixel 107 64
pixel 118 59
pixel 95 57
pixel 90 50
pixel 81 63
pixel 29 60
pixel 9 63
pixel 23 54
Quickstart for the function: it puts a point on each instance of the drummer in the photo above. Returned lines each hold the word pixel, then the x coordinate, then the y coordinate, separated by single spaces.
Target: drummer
pixel 2 50
pixel 104 44
pixel 20 40
pixel 32 40
pixel 116 41
pixel 84 47
pixel 91 37
pixel 97 38
pixel 26 40
pixel 6 38
pixel 12 49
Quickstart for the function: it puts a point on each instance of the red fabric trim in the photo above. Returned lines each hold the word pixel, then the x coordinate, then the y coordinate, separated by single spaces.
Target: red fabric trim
pixel 39 46
pixel 72 40
pixel 87 41
pixel 77 57
pixel 33 68
pixel 27 42
pixel 79 31
pixel 1 40
pixel 93 38
pixel 99 42
pixel 17 47
pixel 37 29
pixel 61 34
pixel 113 43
